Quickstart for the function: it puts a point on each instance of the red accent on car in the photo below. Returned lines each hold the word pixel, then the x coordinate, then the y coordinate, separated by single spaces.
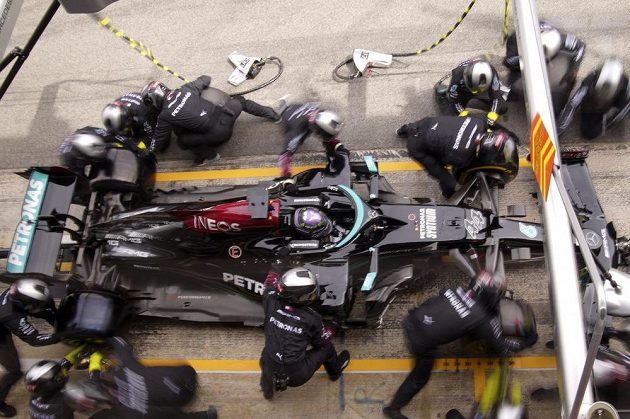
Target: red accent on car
pixel 231 217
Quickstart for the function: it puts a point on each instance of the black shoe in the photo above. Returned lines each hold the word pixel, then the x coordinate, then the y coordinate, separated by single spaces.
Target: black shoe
pixel 7 411
pixel 267 388
pixel 212 412
pixel 402 131
pixel 202 161
pixel 392 413
pixel 343 359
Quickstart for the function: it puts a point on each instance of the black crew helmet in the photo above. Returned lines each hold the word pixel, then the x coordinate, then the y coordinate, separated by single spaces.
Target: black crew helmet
pixel 299 286
pixel 154 93
pixel 608 82
pixel 117 118
pixel 478 76
pixel 497 153
pixel 30 294
pixel 328 123
pixel 45 378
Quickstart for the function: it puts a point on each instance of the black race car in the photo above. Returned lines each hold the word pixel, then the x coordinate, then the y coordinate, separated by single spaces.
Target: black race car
pixel 203 254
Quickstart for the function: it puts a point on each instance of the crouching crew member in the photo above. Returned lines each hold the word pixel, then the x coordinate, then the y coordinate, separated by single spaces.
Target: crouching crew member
pixel 291 326
pixel 453 314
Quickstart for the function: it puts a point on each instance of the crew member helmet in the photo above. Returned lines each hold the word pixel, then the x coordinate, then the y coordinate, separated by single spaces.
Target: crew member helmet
pixel 497 153
pixel 312 222
pixel 299 286
pixel 45 378
pixel 478 76
pixel 551 40
pixel 30 294
pixel 488 288
pixel 517 318
pixel 153 94
pixel 117 118
pixel 329 123
pixel 87 146
pixel 608 81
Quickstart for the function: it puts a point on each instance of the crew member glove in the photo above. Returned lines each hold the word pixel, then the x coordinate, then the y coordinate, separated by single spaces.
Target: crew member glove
pixel 327 334
pixel 285 164
pixel 272 280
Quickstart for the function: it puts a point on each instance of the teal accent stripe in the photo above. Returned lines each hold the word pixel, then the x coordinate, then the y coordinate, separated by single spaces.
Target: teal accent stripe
pixel 371 165
pixel 25 230
pixel 359 211
pixel 369 281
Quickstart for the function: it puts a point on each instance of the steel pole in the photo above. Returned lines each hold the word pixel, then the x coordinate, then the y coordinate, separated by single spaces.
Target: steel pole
pixel 569 335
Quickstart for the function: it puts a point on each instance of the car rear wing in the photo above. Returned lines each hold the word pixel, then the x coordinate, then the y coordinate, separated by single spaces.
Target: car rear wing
pixel 37 238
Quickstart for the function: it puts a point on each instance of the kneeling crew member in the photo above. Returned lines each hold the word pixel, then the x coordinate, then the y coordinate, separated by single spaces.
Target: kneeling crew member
pixel 453 314
pixel 291 326
pixel 472 79
pixel 200 125
pixel 445 140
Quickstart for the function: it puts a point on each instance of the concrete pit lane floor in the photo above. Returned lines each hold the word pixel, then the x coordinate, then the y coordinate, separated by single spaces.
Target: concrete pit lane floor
pixel 77 68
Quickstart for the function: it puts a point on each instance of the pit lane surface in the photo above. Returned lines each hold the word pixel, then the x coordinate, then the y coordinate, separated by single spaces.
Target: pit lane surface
pixel 77 67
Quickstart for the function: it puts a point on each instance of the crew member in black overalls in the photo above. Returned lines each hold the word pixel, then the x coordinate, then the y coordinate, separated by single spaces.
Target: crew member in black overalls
pixel 291 326
pixel 141 391
pixel 453 314
pixel 302 119
pixel 603 100
pixel 46 380
pixel 25 297
pixel 472 79
pixel 557 46
pixel 200 125
pixel 441 141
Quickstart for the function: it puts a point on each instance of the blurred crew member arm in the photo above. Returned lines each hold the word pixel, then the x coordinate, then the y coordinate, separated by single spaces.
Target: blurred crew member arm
pixel 161 135
pixel 23 329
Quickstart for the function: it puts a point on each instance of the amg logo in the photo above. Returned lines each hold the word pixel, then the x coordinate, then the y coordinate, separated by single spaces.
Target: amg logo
pixel 210 224
pixel 427 223
pixel 243 282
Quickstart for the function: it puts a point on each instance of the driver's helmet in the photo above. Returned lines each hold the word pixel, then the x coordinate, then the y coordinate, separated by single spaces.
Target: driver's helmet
pixel 551 41
pixel 478 76
pixel 298 286
pixel 30 295
pixel 45 378
pixel 517 318
pixel 497 153
pixel 117 118
pixel 153 94
pixel 312 222
pixel 488 288
pixel 328 123
pixel 608 81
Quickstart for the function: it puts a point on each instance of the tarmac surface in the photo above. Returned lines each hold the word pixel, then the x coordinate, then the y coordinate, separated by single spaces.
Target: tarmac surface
pixel 78 67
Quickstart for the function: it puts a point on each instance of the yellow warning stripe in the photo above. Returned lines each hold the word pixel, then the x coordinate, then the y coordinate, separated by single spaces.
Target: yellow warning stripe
pixel 400 166
pixel 478 366
pixel 369 365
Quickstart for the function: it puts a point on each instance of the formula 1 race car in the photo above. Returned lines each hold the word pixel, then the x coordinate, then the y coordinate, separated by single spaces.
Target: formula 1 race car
pixel 203 254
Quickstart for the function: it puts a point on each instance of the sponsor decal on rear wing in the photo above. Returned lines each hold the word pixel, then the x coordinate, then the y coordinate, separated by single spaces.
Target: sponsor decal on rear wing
pixel 37 239
pixel 25 230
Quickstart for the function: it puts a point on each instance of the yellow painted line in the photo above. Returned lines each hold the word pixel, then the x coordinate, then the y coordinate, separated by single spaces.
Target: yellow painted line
pixel 65 266
pixel 255 172
pixel 369 365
